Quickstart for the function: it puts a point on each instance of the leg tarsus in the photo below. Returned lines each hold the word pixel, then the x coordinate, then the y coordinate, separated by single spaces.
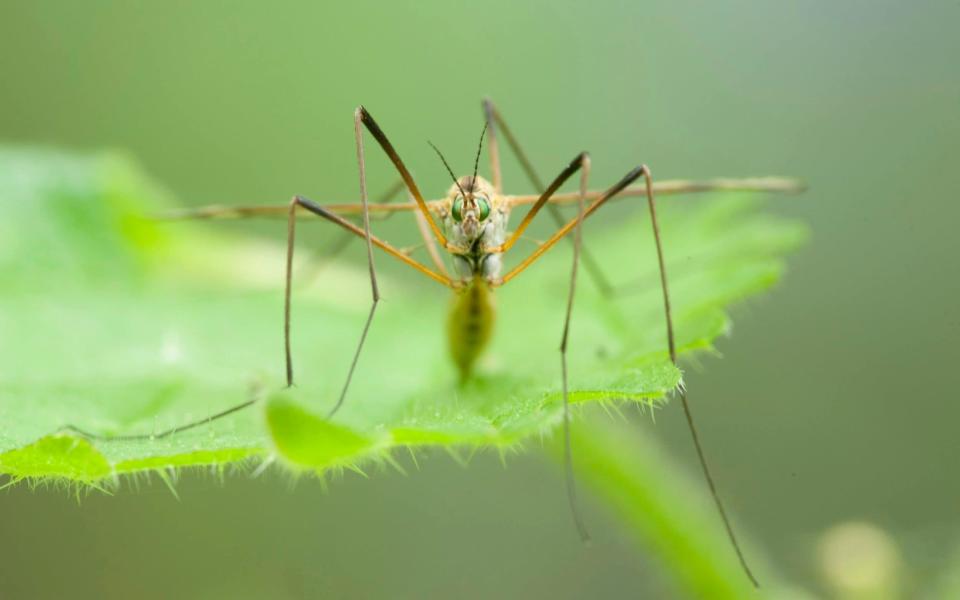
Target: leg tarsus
pixel 356 358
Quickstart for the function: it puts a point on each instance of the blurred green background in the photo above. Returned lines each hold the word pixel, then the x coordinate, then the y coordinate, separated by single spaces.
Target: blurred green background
pixel 836 397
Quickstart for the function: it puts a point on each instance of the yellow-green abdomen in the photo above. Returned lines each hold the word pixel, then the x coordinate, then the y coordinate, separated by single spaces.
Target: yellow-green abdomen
pixel 470 324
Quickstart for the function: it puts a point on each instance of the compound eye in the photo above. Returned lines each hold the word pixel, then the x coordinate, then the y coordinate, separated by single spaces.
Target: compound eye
pixel 457 210
pixel 484 207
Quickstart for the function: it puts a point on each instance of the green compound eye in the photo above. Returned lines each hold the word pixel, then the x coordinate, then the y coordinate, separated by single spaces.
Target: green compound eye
pixel 484 207
pixel 482 203
pixel 457 209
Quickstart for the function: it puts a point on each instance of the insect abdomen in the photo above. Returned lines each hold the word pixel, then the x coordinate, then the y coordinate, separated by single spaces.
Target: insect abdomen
pixel 470 324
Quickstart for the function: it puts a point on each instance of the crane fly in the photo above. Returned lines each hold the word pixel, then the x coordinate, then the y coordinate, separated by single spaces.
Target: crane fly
pixel 470 224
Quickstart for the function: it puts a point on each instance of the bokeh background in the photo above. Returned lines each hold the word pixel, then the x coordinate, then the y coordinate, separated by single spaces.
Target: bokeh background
pixel 835 401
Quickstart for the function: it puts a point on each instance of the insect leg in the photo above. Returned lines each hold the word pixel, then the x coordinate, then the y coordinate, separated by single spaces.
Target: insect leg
pixel 598 201
pixel 633 175
pixel 362 116
pixel 564 175
pixel 166 432
pixel 341 242
pixel 671 344
pixel 670 187
pixel 429 243
pixel 567 450
pixel 494 122
pixel 374 288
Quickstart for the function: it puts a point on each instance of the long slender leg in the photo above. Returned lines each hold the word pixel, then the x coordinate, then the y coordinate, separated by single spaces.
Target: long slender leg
pixel 362 116
pixel 423 227
pixel 299 203
pixel 783 185
pixel 166 432
pixel 570 169
pixel 671 344
pixel 669 187
pixel 375 292
pixel 495 121
pixel 567 450
pixel 374 288
pixel 563 231
pixel 343 240
pixel 220 212
pixel 493 147
pixel 429 243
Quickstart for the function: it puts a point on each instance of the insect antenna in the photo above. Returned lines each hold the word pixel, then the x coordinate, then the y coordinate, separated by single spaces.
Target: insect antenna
pixel 476 161
pixel 449 170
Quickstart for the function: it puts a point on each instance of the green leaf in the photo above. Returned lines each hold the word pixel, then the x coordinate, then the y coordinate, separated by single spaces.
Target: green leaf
pixel 120 325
